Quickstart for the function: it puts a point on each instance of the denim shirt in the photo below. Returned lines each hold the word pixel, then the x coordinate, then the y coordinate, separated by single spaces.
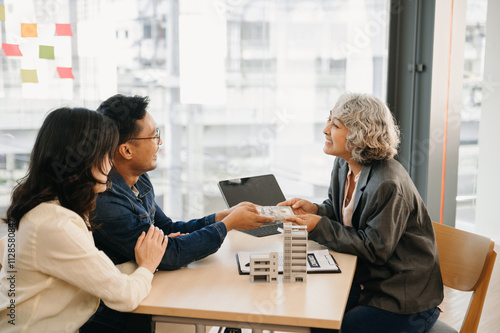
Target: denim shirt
pixel 121 216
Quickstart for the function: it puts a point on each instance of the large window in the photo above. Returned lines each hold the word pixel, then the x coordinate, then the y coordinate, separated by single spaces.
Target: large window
pixel 238 88
pixel 473 93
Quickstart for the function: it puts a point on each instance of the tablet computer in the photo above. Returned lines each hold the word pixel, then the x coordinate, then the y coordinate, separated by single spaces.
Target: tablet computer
pixel 262 190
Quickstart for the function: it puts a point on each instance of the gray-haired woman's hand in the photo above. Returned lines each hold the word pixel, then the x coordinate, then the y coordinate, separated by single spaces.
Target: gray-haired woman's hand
pixel 300 206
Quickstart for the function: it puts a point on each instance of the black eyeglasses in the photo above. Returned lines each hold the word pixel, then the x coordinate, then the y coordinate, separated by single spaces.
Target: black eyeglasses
pixel 157 137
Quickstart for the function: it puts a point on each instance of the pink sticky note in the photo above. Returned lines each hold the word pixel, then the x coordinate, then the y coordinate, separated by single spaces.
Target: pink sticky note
pixel 63 29
pixel 11 50
pixel 65 72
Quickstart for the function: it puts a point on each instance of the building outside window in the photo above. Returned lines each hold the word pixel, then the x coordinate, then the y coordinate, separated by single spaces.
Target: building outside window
pixel 244 91
pixel 473 93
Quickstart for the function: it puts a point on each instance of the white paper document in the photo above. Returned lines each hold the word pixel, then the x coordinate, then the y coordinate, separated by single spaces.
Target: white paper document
pixel 319 261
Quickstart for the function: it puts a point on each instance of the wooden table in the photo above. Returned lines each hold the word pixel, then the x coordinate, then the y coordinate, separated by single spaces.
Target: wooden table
pixel 211 292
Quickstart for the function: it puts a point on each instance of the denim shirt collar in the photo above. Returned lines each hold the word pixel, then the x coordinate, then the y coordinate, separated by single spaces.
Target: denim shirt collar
pixel 118 184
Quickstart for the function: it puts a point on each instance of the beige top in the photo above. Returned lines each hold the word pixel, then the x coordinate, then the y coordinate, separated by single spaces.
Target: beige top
pixel 58 275
pixel 348 205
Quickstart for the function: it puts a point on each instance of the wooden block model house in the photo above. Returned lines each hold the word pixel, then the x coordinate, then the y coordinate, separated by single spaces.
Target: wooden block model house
pixel 294 253
pixel 264 267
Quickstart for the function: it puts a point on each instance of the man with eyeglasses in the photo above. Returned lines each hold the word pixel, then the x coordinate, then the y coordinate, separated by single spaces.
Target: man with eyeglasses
pixel 128 207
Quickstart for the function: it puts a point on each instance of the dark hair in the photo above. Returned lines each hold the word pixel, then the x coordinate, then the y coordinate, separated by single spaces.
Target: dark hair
pixel 69 144
pixel 125 111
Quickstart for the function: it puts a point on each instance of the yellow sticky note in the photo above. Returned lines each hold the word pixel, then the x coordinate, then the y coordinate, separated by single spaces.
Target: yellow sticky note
pixel 46 52
pixel 29 30
pixel 2 12
pixel 29 76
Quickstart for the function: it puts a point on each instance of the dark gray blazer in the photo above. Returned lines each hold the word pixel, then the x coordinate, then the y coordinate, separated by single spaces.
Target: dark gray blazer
pixel 392 236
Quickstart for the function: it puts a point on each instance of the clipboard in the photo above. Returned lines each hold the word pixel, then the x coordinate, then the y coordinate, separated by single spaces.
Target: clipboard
pixel 319 261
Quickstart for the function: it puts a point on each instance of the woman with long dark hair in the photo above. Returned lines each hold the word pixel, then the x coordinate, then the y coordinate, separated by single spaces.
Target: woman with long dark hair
pixel 52 275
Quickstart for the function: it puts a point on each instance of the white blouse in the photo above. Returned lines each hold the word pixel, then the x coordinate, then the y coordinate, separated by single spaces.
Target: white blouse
pixel 58 275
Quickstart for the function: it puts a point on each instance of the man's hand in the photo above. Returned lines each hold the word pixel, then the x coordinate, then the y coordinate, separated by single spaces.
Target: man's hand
pixel 219 216
pixel 176 234
pixel 245 218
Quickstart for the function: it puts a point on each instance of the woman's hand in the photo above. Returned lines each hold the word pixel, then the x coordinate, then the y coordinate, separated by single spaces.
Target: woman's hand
pixel 245 218
pixel 150 248
pixel 300 206
pixel 309 220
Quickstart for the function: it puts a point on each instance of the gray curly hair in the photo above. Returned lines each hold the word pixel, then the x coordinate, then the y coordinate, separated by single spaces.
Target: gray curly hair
pixel 373 133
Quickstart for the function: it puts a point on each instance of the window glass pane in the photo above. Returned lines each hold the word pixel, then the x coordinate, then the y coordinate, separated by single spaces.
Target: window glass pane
pixel 471 112
pixel 238 88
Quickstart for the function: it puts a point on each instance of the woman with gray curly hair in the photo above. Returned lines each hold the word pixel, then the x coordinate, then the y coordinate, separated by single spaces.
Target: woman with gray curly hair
pixel 375 212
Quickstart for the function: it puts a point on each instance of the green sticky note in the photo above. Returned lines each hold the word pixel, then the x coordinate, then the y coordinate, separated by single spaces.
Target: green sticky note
pixel 2 12
pixel 29 76
pixel 46 52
